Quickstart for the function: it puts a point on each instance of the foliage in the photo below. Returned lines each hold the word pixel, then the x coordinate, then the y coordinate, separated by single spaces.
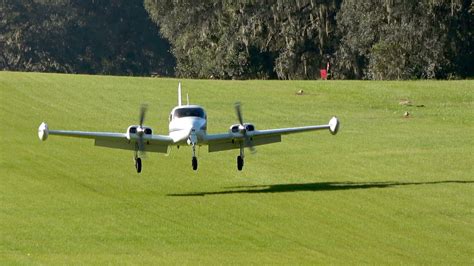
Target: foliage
pixel 404 39
pixel 372 39
pixel 109 37
pixel 23 41
pixel 235 40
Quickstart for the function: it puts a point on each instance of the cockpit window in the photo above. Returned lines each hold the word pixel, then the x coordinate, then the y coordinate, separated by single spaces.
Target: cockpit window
pixel 185 112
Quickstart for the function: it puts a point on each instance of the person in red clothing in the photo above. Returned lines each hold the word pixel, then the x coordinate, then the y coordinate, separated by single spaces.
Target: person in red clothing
pixel 325 72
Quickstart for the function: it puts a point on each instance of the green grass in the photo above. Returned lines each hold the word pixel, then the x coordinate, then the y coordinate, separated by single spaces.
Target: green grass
pixel 385 190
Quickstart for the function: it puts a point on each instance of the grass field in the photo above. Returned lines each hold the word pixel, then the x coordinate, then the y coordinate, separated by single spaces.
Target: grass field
pixel 385 190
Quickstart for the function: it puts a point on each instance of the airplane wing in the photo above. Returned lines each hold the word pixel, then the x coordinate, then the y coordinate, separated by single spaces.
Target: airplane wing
pixel 153 143
pixel 229 141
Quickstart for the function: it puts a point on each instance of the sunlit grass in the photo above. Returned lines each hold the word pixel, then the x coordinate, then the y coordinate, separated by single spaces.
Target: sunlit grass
pixel 386 189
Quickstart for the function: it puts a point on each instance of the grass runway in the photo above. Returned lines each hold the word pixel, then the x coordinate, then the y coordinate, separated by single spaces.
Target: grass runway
pixel 387 189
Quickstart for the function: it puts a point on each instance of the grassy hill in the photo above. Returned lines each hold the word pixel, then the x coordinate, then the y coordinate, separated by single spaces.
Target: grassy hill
pixel 386 189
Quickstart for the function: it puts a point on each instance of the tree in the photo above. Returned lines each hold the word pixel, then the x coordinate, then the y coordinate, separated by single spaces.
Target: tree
pixel 372 39
pixel 105 37
pixel 23 41
pixel 400 39
pixel 228 39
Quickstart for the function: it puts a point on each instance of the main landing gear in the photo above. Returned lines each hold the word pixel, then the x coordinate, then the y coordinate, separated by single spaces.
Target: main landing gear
pixel 138 164
pixel 240 163
pixel 240 159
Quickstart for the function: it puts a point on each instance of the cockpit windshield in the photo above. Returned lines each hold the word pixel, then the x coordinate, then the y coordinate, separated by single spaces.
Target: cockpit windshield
pixel 189 111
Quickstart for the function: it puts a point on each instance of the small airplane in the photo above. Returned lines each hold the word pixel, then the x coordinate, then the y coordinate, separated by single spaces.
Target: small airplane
pixel 187 126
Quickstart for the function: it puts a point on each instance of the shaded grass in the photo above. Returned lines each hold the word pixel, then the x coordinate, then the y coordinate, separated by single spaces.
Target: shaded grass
pixel 386 189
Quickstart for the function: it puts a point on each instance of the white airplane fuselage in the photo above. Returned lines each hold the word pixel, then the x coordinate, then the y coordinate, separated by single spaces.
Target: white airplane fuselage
pixel 188 124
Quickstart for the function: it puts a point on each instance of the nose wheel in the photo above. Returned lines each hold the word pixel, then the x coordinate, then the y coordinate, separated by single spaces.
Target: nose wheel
pixel 194 163
pixel 138 164
pixel 195 160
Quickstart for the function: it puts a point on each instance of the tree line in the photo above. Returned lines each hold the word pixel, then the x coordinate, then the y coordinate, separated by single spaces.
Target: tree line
pixel 94 37
pixel 370 39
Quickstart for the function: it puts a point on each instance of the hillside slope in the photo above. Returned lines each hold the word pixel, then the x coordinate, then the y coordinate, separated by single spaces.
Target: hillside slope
pixel 387 188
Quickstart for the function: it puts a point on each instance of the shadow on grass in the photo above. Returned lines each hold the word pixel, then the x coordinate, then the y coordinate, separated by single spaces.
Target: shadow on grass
pixel 313 187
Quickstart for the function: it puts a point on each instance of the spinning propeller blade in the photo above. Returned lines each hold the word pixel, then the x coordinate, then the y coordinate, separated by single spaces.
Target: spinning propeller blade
pixel 141 143
pixel 239 113
pixel 248 140
pixel 143 110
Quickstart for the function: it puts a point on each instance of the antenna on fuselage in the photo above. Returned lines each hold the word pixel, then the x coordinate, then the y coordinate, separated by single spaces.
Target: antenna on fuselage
pixel 179 93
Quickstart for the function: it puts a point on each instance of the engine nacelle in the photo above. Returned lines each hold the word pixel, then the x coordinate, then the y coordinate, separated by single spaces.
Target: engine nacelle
pixel 237 128
pixel 234 129
pixel 249 127
pixel 135 130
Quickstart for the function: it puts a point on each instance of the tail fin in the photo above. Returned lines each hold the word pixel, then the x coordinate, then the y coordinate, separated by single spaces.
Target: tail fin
pixel 179 93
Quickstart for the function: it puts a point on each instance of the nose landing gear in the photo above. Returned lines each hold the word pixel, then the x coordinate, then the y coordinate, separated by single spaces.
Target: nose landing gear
pixel 195 163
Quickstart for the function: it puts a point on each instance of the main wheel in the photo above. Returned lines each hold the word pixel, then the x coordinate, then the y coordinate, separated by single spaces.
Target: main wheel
pixel 195 163
pixel 138 165
pixel 240 163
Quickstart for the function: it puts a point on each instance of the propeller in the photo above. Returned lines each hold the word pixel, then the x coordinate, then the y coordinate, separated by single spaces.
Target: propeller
pixel 141 130
pixel 243 129
pixel 143 110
